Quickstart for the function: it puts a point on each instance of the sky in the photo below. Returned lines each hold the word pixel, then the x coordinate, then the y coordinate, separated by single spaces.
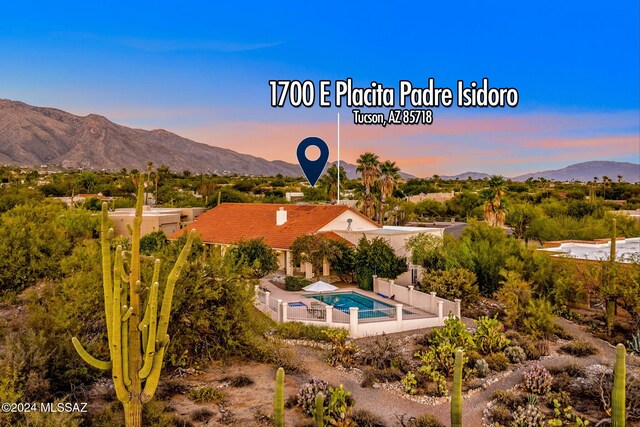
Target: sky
pixel 201 70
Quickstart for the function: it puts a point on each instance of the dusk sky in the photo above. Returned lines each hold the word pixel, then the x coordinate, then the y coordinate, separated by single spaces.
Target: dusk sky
pixel 201 70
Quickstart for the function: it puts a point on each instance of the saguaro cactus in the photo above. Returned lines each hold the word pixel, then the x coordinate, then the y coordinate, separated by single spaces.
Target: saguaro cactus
pixel 318 414
pixel 136 344
pixel 278 400
pixel 456 392
pixel 618 394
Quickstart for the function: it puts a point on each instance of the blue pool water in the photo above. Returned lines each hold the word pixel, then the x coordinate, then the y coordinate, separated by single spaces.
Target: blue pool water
pixel 368 307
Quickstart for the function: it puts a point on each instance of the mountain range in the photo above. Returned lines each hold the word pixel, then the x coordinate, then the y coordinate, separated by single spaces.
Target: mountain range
pixel 34 136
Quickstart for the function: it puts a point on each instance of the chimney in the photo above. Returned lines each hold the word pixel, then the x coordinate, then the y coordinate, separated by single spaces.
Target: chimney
pixel 281 216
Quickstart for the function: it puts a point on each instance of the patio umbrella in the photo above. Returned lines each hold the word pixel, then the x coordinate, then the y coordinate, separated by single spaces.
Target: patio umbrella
pixel 320 286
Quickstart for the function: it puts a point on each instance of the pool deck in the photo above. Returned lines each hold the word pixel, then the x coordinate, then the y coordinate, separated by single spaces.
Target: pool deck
pixel 302 296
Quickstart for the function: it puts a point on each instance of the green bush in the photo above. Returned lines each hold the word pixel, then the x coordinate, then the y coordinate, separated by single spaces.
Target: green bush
pixel 376 256
pixel 489 336
pixel 259 258
pixel 579 348
pixel 364 418
pixel 497 362
pixel 206 394
pixel 301 331
pixel 457 283
pixel 427 420
pixel 295 283
pixel 153 242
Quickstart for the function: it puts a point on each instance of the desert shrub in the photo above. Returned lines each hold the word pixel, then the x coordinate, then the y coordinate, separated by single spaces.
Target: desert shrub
pixel 427 420
pixel 211 310
pixel 201 415
pixel 306 396
pixel 497 362
pixel 537 380
pixel 482 368
pixel 528 416
pixel 562 397
pixel 456 283
pixel 473 356
pixel 51 419
pixel 381 352
pixel 538 321
pixel 509 399
pixel 206 394
pixel 153 242
pixel 170 387
pixel 257 256
pixel 561 381
pixel 515 354
pixel 295 283
pixel 301 331
pixel 530 349
pixel 364 418
pixel 338 406
pixel 342 351
pixel 373 375
pixel 239 381
pixel 489 337
pixel 276 353
pixel 579 348
pixel 501 415
pixel 575 370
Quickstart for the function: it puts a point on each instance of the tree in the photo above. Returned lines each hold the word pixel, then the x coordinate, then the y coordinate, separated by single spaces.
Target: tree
pixel 520 217
pixel 377 257
pixel 314 249
pixel 493 210
pixel 369 169
pixel 259 258
pixel 329 181
pixel 389 176
pixel 153 242
pixel 450 284
pixel 344 261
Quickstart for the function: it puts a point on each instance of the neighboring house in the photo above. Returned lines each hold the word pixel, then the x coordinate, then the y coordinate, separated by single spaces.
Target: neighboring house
pixel 280 226
pixel 436 197
pixel 635 214
pixel 168 220
pixel 627 250
pixel 79 199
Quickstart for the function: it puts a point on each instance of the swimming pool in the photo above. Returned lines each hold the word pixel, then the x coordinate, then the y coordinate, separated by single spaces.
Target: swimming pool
pixel 367 307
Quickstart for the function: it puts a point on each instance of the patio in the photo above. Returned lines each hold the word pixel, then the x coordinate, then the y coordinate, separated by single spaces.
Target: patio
pixel 393 308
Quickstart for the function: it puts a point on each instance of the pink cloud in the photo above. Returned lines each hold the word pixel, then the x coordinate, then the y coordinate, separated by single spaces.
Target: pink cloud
pixel 511 144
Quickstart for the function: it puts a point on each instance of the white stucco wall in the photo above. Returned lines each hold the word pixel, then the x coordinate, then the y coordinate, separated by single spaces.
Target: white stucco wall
pixel 358 222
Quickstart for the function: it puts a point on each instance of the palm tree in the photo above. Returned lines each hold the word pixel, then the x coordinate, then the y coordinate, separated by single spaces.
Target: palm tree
pixel 148 183
pixel 329 181
pixel 369 168
pixel 389 176
pixel 494 214
pixel 606 181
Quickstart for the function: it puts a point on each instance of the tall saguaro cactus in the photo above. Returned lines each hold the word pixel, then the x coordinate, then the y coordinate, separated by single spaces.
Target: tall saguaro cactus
pixel 456 392
pixel 618 394
pixel 137 343
pixel 278 399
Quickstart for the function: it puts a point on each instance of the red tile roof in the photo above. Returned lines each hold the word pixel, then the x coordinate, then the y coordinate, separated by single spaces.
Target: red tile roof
pixel 233 222
pixel 335 237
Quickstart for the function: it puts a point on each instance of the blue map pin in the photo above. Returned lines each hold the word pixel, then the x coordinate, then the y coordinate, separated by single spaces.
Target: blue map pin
pixel 312 169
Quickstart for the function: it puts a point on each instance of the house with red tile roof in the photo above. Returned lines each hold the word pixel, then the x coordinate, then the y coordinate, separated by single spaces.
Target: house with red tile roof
pixel 279 225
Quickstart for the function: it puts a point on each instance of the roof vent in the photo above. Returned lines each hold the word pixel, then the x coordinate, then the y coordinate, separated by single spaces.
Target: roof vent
pixel 349 221
pixel 281 216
